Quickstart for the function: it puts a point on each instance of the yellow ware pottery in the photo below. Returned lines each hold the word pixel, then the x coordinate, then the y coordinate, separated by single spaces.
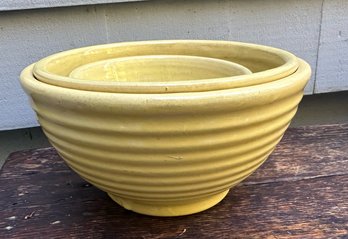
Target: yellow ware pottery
pixel 154 68
pixel 267 63
pixel 166 154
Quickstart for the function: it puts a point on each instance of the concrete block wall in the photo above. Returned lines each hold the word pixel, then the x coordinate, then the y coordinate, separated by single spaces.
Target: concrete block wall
pixel 315 30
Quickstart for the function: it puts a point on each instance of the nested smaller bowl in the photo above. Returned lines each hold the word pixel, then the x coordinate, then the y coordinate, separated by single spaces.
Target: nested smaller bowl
pixel 267 64
pixel 153 68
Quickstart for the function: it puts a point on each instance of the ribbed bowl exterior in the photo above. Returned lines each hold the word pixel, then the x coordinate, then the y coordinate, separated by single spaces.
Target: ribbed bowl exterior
pixel 165 165
pixel 161 149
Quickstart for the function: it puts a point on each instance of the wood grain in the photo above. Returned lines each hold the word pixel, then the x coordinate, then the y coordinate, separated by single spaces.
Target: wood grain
pixel 300 192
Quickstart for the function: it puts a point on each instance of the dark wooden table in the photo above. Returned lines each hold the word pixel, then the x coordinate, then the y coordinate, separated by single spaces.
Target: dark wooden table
pixel 300 192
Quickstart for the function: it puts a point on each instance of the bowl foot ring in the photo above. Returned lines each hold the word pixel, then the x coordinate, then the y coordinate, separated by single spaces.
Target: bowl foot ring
pixel 169 209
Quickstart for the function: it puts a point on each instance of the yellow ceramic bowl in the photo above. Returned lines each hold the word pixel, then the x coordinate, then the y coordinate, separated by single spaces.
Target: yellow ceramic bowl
pixel 267 63
pixel 162 68
pixel 166 154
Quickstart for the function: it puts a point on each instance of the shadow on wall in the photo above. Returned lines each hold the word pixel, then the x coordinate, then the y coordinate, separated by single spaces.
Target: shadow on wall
pixel 14 140
pixel 329 108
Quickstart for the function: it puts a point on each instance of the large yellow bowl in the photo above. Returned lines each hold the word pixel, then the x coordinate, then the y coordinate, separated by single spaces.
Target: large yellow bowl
pixel 166 154
pixel 267 63
pixel 156 68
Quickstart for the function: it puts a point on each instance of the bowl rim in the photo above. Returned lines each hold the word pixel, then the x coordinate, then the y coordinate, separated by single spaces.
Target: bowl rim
pixel 171 103
pixel 41 70
pixel 207 62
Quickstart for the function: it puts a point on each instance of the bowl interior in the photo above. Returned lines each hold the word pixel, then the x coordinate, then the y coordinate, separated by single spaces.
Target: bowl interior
pixel 158 68
pixel 266 63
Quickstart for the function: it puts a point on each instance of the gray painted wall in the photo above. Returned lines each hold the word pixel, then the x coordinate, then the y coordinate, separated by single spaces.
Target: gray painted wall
pixel 332 72
pixel 10 5
pixel 316 30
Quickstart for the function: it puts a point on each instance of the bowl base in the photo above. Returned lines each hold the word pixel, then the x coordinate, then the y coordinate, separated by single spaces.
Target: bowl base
pixel 169 209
